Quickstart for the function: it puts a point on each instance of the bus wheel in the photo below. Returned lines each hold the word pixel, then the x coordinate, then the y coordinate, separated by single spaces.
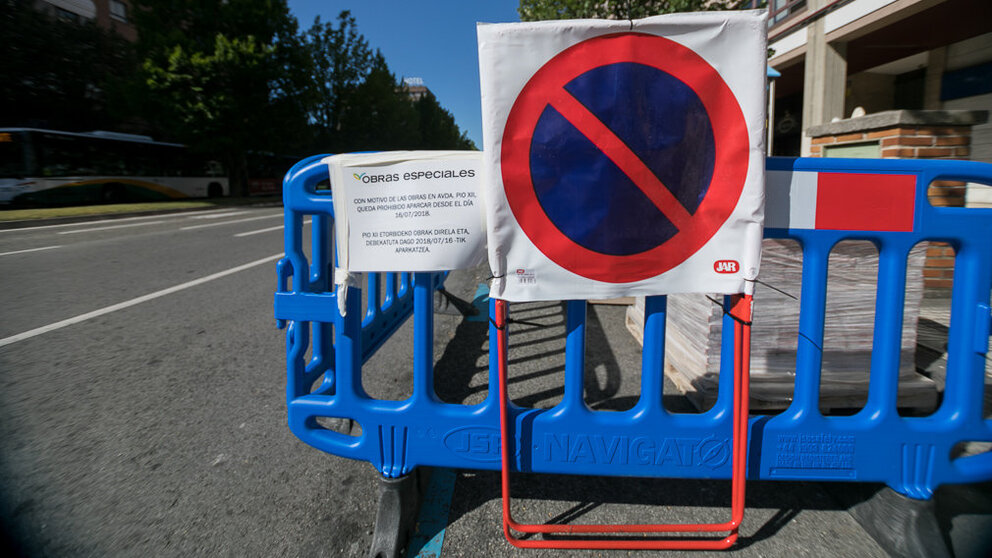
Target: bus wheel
pixel 215 190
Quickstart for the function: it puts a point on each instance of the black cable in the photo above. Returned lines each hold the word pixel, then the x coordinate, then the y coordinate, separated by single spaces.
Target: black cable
pixel 772 288
pixel 727 312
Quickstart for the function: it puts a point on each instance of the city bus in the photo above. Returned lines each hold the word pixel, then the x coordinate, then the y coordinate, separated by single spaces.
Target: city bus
pixel 49 167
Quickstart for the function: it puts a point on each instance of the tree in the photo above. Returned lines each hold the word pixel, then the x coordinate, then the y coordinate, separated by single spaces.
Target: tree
pixel 359 103
pixel 60 74
pixel 535 10
pixel 233 76
pixel 378 114
pixel 210 94
pixel 224 76
pixel 341 61
pixel 437 126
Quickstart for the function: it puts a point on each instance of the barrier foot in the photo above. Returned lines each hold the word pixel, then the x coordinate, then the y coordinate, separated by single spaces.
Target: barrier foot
pixel 903 526
pixel 399 500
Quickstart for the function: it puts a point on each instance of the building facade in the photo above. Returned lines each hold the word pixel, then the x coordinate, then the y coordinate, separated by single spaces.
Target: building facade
pixel 839 56
pixel 113 15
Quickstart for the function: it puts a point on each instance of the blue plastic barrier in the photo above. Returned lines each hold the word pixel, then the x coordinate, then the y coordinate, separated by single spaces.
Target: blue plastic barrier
pixel 910 454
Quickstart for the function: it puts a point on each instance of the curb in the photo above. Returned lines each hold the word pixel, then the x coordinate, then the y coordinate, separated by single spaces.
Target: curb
pixel 28 223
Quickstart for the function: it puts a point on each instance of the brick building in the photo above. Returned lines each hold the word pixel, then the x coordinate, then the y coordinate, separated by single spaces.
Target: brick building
pixel 114 15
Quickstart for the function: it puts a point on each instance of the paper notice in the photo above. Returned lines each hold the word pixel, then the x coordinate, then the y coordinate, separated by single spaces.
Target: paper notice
pixel 409 211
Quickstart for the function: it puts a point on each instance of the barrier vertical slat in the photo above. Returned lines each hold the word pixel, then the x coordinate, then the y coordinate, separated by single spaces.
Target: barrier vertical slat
pixel 297 340
pixel 979 283
pixel 883 381
pixel 575 350
pixel 321 278
pixel 492 402
pixel 725 399
pixel 652 400
pixel 318 254
pixel 423 338
pixel 809 350
pixel 965 368
pixel 348 347
pixel 390 291
pixel 372 296
pixel 293 225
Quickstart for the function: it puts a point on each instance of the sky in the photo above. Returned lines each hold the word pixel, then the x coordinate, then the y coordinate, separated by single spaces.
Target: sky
pixel 431 39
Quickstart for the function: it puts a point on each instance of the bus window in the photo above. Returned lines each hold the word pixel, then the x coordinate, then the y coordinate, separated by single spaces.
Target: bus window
pixel 60 156
pixel 12 163
pixel 104 158
pixel 174 161
pixel 215 168
pixel 145 160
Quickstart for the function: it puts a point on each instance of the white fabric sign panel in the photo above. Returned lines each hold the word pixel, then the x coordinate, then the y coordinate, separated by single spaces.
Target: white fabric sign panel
pixel 624 157
pixel 408 210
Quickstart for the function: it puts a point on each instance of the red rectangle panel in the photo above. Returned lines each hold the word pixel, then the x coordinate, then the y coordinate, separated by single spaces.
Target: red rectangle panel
pixel 865 202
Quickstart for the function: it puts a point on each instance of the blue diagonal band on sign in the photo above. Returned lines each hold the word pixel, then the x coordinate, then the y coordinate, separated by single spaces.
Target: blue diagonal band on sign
pixel 660 118
pixel 587 196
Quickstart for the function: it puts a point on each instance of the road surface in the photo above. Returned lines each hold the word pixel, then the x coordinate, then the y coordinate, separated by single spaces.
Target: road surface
pixel 142 411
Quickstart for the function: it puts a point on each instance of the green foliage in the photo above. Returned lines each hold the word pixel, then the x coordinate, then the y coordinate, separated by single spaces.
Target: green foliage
pixel 378 114
pixel 225 76
pixel 437 127
pixel 360 105
pixel 55 73
pixel 258 84
pixel 342 60
pixel 211 94
pixel 220 73
pixel 163 24
pixel 536 10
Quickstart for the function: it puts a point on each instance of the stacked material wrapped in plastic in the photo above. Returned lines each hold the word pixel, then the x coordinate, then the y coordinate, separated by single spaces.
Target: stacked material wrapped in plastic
pixel 692 344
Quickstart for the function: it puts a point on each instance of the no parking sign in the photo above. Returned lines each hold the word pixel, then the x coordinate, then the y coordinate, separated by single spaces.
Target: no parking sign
pixel 624 157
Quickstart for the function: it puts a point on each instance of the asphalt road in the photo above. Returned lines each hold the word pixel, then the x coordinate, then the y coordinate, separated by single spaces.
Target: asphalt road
pixel 142 412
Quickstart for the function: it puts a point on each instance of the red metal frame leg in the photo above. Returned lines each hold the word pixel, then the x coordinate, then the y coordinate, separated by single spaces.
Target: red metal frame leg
pixel 741 311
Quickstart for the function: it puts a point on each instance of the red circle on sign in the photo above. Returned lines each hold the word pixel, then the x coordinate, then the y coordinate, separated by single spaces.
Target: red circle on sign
pixel 547 86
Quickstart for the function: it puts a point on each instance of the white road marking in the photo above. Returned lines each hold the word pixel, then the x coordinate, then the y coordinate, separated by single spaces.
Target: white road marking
pixel 249 233
pixel 191 227
pixel 113 227
pixel 260 231
pixel 101 221
pixel 29 250
pixel 134 301
pixel 218 215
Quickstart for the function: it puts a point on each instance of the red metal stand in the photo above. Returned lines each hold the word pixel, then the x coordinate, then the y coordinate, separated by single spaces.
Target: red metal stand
pixel 741 312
